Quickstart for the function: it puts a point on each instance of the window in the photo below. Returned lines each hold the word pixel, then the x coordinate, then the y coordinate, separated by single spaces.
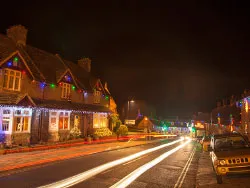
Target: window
pixel 100 120
pixel 97 96
pixel 21 120
pixel 53 121
pixel 6 120
pixel 65 90
pixel 59 120
pixel 12 80
pixel 63 120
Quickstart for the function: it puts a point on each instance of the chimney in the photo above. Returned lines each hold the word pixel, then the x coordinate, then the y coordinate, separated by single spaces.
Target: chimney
pixel 18 34
pixel 85 63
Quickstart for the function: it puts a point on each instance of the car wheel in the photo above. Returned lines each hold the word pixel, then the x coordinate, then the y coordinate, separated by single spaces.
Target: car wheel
pixel 219 179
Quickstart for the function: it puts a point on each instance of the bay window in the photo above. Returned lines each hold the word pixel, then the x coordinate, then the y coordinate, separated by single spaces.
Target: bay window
pixel 12 80
pixel 6 115
pixel 15 119
pixel 21 120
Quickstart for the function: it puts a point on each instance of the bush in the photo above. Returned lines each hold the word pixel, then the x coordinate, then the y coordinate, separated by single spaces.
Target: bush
pixel 122 130
pixel 100 132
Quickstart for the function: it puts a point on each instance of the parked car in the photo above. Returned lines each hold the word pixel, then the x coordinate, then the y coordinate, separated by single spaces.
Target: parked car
pixel 230 155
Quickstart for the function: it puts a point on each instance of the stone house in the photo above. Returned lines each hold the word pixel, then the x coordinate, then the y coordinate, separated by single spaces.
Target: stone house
pixel 43 96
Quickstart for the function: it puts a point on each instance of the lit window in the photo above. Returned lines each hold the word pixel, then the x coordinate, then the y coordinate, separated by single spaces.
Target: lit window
pixel 65 90
pixel 97 96
pixel 12 80
pixel 100 120
pixel 63 120
pixel 22 119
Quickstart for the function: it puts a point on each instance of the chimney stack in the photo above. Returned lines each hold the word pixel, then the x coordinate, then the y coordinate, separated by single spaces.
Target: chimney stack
pixel 18 34
pixel 85 63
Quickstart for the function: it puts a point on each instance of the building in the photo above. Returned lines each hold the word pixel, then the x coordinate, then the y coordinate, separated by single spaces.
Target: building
pixel 43 97
pixel 243 105
pixel 226 117
pixel 136 109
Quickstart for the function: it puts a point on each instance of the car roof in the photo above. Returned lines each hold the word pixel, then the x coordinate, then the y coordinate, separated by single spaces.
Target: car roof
pixel 226 135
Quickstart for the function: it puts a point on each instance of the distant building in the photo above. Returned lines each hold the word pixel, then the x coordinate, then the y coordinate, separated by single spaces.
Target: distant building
pixel 136 109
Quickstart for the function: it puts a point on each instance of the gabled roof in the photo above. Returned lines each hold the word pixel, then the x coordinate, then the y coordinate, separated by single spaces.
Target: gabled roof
pixel 15 99
pixel 46 67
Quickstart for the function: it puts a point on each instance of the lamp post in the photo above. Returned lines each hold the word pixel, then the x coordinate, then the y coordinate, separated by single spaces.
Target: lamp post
pixel 129 101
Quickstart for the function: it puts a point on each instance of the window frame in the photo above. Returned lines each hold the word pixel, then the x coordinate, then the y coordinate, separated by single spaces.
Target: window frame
pixel 57 116
pixel 7 75
pixel 10 116
pixel 22 115
pixel 100 120
pixel 66 90
pixel 97 96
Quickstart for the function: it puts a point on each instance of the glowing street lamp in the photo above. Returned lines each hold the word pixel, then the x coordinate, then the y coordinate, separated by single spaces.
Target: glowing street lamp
pixel 129 101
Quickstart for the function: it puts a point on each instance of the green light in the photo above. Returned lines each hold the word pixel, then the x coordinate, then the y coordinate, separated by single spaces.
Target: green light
pixel 52 85
pixel 15 59
pixel 107 97
pixel 73 87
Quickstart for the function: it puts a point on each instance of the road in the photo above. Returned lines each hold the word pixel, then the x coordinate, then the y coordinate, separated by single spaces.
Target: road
pixel 178 169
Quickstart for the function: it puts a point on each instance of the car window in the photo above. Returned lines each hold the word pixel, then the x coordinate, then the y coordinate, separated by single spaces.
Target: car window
pixel 229 143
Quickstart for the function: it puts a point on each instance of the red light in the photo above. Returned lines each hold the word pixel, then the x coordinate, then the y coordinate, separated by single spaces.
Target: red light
pixel 23 72
pixel 60 83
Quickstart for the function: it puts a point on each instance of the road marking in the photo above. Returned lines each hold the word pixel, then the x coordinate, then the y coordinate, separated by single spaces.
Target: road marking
pixel 183 174
pixel 68 182
pixel 124 182
pixel 106 171
pixel 135 160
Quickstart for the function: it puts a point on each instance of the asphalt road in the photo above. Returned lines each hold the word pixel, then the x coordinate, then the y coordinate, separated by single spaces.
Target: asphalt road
pixel 178 169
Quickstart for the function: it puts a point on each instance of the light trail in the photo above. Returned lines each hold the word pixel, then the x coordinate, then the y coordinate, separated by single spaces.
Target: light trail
pixel 68 182
pixel 139 171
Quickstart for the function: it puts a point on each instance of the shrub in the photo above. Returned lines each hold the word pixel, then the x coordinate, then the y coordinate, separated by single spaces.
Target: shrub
pixel 122 130
pixel 100 132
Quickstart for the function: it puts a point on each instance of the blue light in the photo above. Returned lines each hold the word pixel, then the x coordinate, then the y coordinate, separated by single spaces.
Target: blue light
pixel 9 64
pixel 42 85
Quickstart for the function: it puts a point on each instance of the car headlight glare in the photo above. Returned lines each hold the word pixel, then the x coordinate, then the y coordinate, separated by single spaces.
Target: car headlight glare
pixel 222 162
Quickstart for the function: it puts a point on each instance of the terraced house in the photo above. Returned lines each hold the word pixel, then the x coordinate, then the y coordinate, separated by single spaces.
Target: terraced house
pixel 43 97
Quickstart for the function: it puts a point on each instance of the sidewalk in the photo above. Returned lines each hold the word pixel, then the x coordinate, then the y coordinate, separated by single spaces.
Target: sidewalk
pixel 205 175
pixel 28 159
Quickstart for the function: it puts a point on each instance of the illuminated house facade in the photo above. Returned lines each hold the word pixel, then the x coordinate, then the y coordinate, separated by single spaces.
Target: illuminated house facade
pixel 43 96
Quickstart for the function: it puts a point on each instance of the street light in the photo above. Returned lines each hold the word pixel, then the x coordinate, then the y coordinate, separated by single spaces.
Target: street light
pixel 129 101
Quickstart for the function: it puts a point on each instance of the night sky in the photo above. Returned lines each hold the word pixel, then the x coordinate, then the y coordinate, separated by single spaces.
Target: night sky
pixel 179 57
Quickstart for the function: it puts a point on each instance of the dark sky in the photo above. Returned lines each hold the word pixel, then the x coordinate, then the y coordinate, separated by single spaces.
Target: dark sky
pixel 180 57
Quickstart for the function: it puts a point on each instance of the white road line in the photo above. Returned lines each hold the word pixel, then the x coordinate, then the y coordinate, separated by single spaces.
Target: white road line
pixel 68 182
pixel 139 171
pixel 182 176
pixel 134 160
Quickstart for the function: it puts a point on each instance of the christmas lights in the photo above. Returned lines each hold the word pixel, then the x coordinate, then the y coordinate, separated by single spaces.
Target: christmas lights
pixel 39 109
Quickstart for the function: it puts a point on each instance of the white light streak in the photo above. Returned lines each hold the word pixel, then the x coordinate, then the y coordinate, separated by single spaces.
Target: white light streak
pixel 68 182
pixel 139 171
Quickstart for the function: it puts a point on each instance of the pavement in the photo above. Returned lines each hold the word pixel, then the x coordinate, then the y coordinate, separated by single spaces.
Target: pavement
pixel 16 161
pixel 206 177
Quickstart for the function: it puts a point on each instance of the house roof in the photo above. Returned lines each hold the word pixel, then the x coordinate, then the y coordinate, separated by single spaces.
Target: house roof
pixel 14 99
pixel 45 66
pixel 18 99
pixel 53 104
